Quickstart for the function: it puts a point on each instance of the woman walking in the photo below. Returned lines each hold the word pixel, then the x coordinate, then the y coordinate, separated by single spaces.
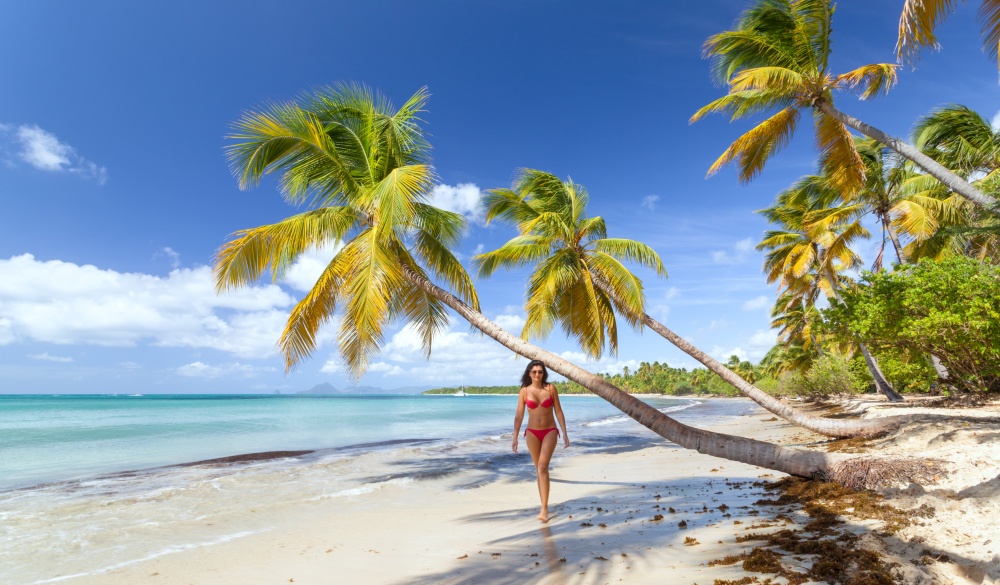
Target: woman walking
pixel 541 434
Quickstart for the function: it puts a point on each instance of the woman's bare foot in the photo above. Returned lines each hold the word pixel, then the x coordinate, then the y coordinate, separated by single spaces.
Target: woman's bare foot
pixel 544 516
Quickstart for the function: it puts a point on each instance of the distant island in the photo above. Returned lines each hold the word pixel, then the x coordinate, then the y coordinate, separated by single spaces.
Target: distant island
pixel 563 387
pixel 328 388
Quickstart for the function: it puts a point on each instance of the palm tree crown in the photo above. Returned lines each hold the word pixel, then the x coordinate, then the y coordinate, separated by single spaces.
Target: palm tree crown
pixel 576 264
pixel 363 168
pixel 776 58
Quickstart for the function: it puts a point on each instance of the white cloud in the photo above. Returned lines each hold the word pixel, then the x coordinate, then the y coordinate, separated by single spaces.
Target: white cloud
pixel 129 366
pixel 386 369
pixel 649 202
pixel 756 303
pixel 334 365
pixel 738 255
pixel 744 245
pixel 512 323
pixel 308 267
pixel 463 198
pixel 45 357
pixel 754 348
pixel 64 303
pixel 672 292
pixel 43 151
pixel 996 122
pixel 202 370
pixel 174 257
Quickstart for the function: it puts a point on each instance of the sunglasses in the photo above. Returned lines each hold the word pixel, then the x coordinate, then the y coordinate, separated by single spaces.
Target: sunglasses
pixel 537 371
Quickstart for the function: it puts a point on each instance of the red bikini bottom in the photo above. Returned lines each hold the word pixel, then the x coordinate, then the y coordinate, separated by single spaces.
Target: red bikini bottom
pixel 540 433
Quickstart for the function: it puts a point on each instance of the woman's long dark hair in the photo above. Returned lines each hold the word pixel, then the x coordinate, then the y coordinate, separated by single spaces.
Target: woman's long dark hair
pixel 526 376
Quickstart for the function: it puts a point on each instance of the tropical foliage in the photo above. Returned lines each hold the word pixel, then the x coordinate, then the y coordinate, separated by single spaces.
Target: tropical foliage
pixel 579 278
pixel 363 166
pixel 776 58
pixel 950 309
pixel 921 17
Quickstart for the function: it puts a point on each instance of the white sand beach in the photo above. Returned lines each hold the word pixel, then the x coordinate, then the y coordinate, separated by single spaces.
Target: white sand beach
pixel 617 520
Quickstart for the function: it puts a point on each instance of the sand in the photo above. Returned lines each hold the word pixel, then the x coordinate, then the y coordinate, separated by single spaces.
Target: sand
pixel 612 522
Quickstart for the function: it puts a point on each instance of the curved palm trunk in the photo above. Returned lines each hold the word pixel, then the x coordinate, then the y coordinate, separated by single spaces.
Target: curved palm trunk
pixel 880 382
pixel 894 238
pixel 803 463
pixel 933 168
pixel 824 426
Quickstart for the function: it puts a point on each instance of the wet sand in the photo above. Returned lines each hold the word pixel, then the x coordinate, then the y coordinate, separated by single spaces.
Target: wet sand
pixel 630 513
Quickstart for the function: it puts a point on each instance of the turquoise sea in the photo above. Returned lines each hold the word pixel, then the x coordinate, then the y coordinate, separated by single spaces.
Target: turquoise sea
pixel 89 483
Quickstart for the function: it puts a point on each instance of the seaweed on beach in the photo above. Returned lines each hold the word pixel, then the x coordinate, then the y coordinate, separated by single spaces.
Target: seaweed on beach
pixel 839 558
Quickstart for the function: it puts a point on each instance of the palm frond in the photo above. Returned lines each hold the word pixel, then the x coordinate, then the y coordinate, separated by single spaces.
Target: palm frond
pixel 632 251
pixel 274 247
pixel 872 80
pixel 841 164
pixel 917 24
pixel 754 148
pixel 517 252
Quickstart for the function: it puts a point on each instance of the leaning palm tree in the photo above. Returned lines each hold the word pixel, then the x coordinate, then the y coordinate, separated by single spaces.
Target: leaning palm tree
pixel 776 58
pixel 580 281
pixel 364 166
pixel 966 141
pixel 813 246
pixel 921 17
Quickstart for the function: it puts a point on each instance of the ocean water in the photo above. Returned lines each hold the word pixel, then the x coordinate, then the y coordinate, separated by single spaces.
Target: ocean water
pixel 89 483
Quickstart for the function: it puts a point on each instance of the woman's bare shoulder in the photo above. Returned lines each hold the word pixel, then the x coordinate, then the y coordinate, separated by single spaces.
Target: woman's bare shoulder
pixel 551 388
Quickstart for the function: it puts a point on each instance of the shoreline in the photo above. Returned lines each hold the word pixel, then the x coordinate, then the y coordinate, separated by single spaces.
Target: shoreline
pixel 458 529
pixel 617 508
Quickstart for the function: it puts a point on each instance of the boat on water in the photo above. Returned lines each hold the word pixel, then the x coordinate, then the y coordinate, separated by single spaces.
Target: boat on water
pixel 461 392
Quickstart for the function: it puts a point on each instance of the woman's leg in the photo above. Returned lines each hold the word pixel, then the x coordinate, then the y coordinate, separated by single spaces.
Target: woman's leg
pixel 541 455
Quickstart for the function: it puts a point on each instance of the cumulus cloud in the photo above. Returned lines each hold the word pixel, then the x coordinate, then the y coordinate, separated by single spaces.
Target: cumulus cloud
pixel 753 348
pixel 45 357
pixel 462 198
pixel 512 323
pixel 308 267
pixel 44 151
pixel 996 122
pixel 203 370
pixel 649 202
pixel 65 303
pixel 756 303
pixel 739 253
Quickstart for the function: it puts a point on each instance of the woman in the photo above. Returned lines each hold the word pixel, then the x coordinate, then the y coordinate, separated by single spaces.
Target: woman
pixel 542 400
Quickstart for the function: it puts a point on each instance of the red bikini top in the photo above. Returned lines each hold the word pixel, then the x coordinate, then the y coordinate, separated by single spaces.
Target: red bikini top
pixel 532 405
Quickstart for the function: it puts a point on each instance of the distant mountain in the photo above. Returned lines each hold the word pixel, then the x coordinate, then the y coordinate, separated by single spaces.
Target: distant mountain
pixel 324 388
pixel 327 388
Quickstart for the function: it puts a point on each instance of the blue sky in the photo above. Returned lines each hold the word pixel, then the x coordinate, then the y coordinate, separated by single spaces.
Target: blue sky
pixel 115 192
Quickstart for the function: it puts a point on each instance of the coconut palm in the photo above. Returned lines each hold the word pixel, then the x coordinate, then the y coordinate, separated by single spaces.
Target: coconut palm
pixel 964 140
pixel 776 58
pixel 813 247
pixel 921 17
pixel 364 165
pixel 571 252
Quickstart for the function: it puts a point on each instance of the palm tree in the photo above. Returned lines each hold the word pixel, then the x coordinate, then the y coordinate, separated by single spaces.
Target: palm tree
pixel 776 58
pixel 964 140
pixel 571 253
pixel 921 17
pixel 365 167
pixel 814 246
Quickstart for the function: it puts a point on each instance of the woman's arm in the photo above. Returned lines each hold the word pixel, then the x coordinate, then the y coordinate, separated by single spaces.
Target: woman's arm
pixel 518 418
pixel 557 407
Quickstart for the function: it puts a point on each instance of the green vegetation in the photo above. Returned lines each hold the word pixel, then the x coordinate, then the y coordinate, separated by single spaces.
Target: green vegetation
pixel 949 309
pixel 649 378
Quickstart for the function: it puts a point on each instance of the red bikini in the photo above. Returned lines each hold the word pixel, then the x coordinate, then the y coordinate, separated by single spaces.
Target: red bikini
pixel 539 433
